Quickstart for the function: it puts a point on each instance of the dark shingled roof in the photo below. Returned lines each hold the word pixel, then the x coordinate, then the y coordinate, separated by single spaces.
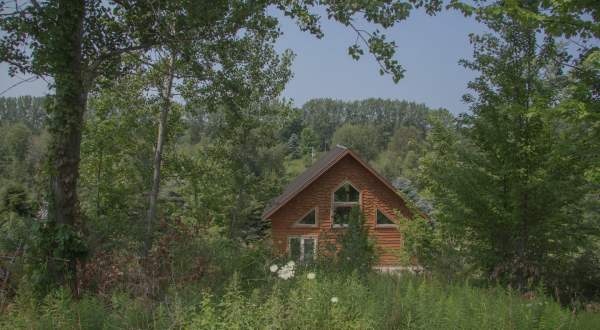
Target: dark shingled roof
pixel 304 179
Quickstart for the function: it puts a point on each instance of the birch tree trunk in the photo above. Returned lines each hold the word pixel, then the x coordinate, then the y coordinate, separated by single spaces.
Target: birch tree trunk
pixel 165 92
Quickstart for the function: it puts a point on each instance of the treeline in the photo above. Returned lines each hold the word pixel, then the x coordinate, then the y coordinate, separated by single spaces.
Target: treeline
pixel 27 110
pixel 324 116
pixel 389 133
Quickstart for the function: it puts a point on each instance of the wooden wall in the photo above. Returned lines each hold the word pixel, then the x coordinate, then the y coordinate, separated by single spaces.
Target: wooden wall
pixel 374 194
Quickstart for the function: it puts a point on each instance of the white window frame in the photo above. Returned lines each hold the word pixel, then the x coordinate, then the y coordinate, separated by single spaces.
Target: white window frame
pixel 297 223
pixel 385 225
pixel 335 204
pixel 302 238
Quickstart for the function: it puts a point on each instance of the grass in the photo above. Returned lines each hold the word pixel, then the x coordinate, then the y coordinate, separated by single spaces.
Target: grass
pixel 375 301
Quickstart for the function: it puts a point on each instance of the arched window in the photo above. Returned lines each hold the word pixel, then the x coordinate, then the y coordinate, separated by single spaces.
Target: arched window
pixel 344 199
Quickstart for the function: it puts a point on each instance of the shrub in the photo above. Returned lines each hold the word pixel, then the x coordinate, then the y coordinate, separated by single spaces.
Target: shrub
pixel 357 251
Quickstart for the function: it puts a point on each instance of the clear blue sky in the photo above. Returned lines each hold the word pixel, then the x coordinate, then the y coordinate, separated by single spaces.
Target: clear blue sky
pixel 428 48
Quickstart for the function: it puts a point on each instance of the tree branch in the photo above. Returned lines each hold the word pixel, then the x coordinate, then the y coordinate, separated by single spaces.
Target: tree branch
pixel 95 65
pixel 30 79
pixel 359 33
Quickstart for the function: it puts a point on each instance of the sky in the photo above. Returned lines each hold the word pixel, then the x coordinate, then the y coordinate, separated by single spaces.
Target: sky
pixel 428 48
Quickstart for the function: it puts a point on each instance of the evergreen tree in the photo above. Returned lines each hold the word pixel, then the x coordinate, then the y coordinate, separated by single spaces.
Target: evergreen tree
pixel 357 251
pixel 293 145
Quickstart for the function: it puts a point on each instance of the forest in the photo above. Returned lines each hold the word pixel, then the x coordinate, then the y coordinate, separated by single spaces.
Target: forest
pixel 131 196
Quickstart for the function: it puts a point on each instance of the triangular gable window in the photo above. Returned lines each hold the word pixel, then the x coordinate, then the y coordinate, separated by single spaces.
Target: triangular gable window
pixel 309 219
pixel 383 220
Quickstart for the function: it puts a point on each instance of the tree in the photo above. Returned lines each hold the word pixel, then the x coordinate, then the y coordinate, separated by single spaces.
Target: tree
pixel 73 42
pixel 402 154
pixel 227 181
pixel 308 142
pixel 293 145
pixel 509 182
pixel 116 160
pixel 357 251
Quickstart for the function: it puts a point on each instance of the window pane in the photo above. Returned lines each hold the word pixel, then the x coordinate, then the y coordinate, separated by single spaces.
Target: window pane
pixel 309 219
pixel 352 194
pixel 346 193
pixel 341 215
pixel 294 248
pixel 382 219
pixel 309 249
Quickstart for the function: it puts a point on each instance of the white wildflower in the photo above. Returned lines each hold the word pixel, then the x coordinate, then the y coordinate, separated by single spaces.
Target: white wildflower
pixel 273 268
pixel 286 272
pixel 334 300
pixel 311 276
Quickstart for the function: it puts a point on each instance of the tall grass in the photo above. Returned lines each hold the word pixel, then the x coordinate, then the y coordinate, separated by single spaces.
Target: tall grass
pixel 376 301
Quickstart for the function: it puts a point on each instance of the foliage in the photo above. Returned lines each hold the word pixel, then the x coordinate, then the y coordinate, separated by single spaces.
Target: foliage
pixel 28 110
pixel 364 139
pixel 356 250
pixel 401 157
pixel 241 159
pixel 428 244
pixel 568 19
pixel 330 300
pixel 509 182
pixel 116 160
pixel 325 116
pixel 293 145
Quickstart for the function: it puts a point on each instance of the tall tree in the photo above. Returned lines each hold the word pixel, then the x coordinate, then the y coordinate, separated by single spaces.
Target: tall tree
pixel 72 42
pixel 510 181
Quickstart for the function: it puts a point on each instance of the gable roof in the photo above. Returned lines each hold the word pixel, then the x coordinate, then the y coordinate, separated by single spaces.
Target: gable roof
pixel 314 172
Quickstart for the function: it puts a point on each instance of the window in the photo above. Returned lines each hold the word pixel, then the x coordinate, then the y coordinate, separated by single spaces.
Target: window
pixel 302 248
pixel 308 220
pixel 346 194
pixel 341 216
pixel 383 220
pixel 344 199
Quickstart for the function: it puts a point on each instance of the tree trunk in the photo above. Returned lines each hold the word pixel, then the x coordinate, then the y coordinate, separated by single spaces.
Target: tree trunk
pixel 165 94
pixel 66 121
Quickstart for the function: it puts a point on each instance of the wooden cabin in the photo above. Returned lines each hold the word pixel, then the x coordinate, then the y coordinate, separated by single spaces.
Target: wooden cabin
pixel 317 203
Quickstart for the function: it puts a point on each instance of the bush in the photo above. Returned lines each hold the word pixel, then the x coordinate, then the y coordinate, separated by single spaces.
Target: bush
pixel 357 251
